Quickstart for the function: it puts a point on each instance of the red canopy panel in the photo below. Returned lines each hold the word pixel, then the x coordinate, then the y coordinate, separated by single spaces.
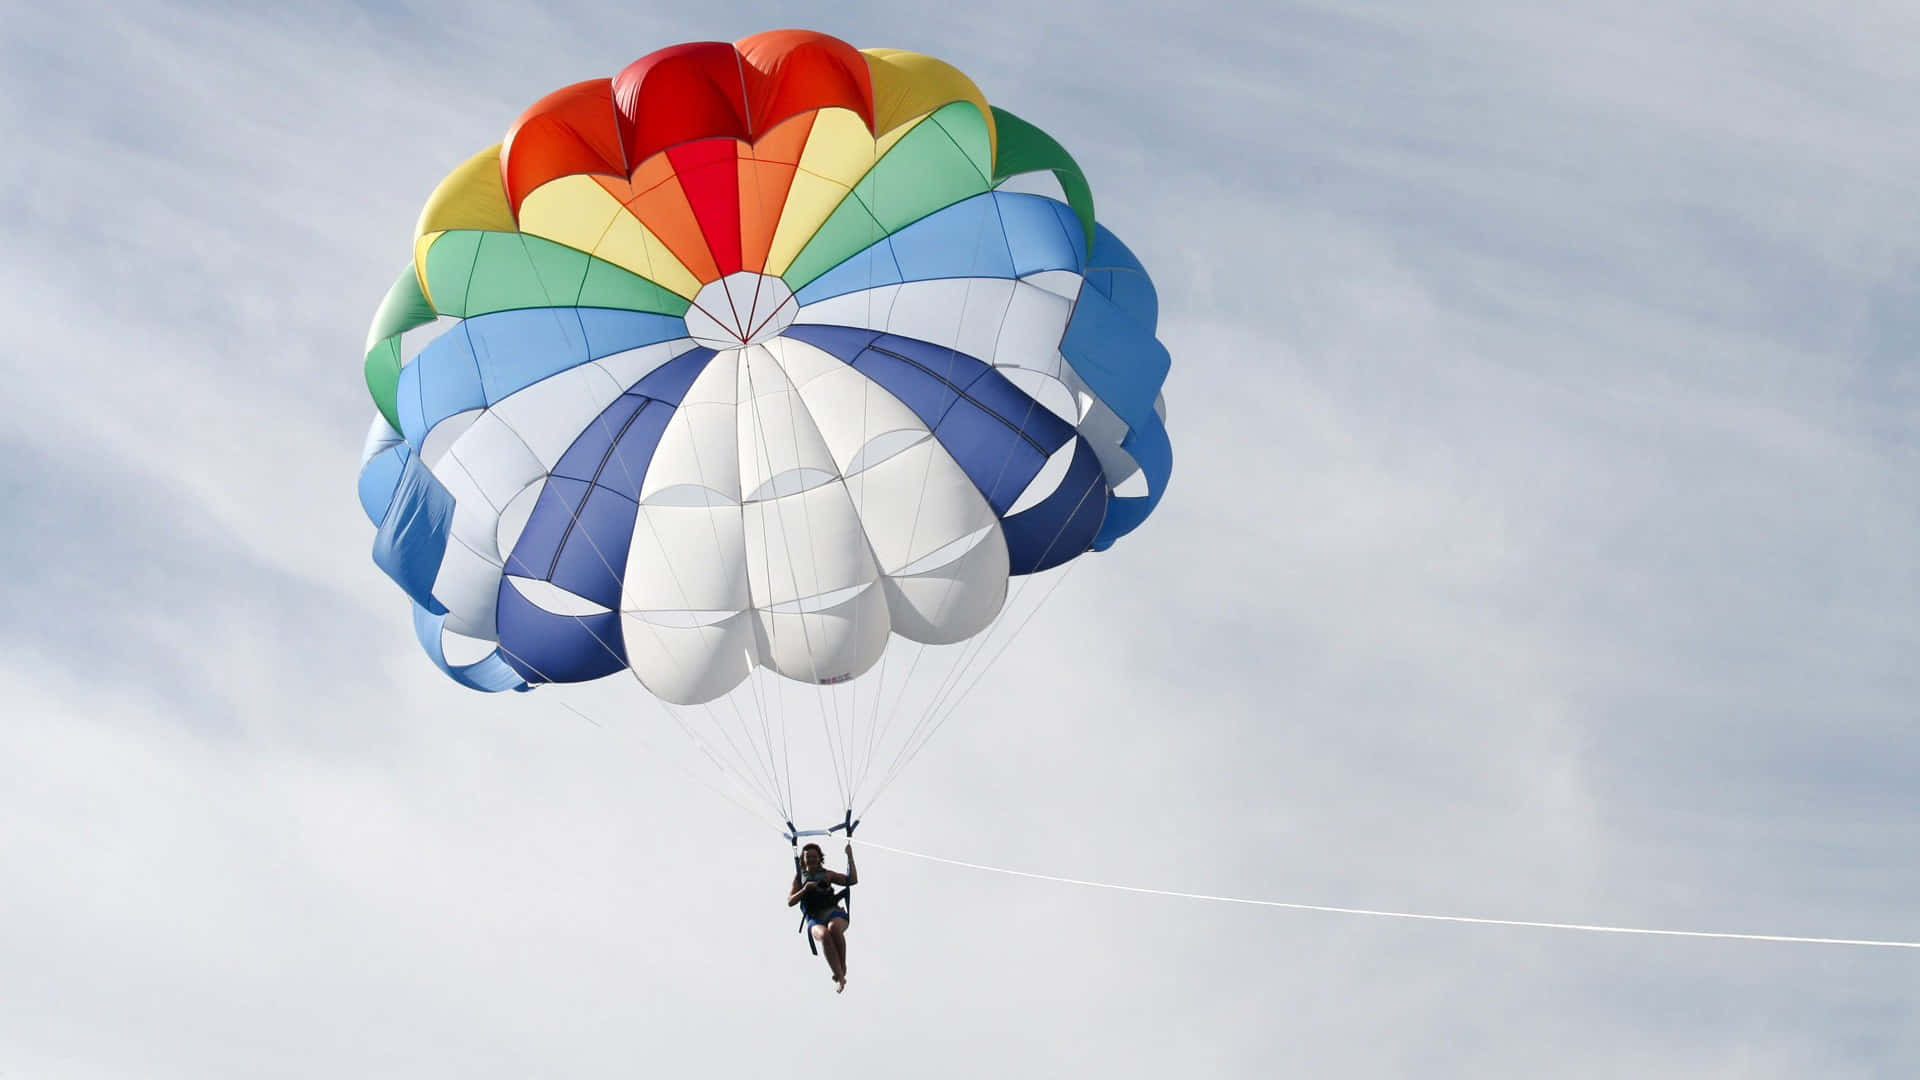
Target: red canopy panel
pixel 569 131
pixel 680 94
pixel 789 72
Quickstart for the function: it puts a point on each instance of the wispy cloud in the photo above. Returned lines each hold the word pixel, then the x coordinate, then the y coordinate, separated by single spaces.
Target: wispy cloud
pixel 1542 544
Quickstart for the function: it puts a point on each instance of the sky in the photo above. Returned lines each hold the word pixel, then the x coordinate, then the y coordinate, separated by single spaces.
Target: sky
pixel 1543 544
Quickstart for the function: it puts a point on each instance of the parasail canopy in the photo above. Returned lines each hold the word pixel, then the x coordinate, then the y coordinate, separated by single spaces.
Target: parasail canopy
pixel 749 358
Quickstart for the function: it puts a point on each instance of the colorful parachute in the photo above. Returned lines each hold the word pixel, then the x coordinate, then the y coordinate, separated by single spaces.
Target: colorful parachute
pixel 744 358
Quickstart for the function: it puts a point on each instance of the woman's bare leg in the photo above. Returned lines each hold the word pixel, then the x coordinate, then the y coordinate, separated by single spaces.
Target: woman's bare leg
pixel 837 941
pixel 834 950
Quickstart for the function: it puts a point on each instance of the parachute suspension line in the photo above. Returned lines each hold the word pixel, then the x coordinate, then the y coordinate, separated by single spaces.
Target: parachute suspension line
pixel 454 456
pixel 762 772
pixel 783 803
pixel 953 359
pixel 971 649
pixel 780 796
pixel 926 725
pixel 980 644
pixel 967 649
pixel 771 789
pixel 774 765
pixel 909 754
pixel 1005 461
pixel 748 810
pixel 744 779
pixel 874 726
pixel 1007 642
pixel 758 768
pixel 1471 920
pixel 786 755
pixel 912 749
pixel 765 707
pixel 967 652
pixel 852 729
pixel 1059 580
pixel 860 507
pixel 753 396
pixel 920 496
pixel 753 668
pixel 847 727
pixel 823 693
pixel 837 743
pixel 860 512
pixel 765 767
pixel 920 650
pixel 766 745
pixel 873 722
pixel 978 647
pixel 767 723
pixel 765 784
pixel 1025 584
pixel 792 392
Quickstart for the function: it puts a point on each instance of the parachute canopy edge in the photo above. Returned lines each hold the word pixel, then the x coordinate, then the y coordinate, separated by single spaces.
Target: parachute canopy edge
pixel 908 85
pixel 473 196
pixel 575 452
pixel 404 308
pixel 491 674
pixel 1027 149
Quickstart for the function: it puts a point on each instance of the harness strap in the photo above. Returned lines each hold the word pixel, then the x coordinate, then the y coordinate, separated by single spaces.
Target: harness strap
pixel 802 928
pixel 842 899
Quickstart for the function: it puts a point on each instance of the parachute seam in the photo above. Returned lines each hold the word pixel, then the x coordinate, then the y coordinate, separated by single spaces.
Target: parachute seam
pixel 593 485
pixel 960 393
pixel 885 232
pixel 813 559
pixel 875 163
pixel 573 518
pixel 700 470
pixel 805 637
pixel 610 651
pixel 680 587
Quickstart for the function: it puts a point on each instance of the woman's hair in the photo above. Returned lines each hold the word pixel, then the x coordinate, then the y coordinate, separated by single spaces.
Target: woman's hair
pixel 815 848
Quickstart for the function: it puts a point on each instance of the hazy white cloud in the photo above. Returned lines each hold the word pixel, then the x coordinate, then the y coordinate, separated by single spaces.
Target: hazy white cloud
pixel 1541 544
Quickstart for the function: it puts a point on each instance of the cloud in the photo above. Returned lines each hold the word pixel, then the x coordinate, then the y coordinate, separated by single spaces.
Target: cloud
pixel 1541 545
